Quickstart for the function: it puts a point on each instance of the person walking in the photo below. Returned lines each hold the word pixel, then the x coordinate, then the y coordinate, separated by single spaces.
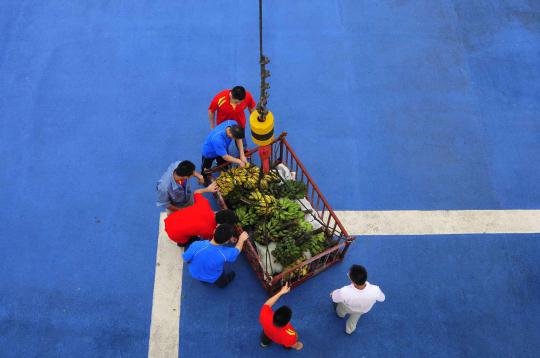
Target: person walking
pixel 357 298
pixel 276 325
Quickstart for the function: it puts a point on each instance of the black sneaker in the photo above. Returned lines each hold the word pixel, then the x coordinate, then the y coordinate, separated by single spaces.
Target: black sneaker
pixel 264 341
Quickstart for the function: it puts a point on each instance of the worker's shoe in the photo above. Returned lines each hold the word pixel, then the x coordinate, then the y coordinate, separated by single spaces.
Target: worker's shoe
pixel 265 341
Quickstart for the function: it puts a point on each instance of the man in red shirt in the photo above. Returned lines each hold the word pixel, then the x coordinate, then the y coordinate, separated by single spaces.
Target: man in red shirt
pixel 230 104
pixel 276 326
pixel 198 220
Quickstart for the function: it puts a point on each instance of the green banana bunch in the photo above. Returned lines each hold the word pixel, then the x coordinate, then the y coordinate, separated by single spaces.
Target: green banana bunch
pixel 291 189
pixel 287 252
pixel 316 244
pixel 267 231
pixel 296 229
pixel 246 216
pixel 288 210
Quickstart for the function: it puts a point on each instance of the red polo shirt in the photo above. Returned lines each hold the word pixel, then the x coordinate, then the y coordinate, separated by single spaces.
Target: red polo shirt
pixel 285 336
pixel 222 103
pixel 195 220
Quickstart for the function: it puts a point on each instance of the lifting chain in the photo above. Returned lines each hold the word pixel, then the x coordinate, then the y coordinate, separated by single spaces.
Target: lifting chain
pixel 263 61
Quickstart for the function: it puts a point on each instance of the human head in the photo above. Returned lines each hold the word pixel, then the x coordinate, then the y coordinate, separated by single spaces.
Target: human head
pixel 235 132
pixel 226 217
pixel 223 233
pixel 184 170
pixel 282 316
pixel 238 94
pixel 358 274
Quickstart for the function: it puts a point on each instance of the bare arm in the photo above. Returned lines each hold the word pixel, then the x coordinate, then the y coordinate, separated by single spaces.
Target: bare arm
pixel 240 146
pixel 232 159
pixel 272 300
pixel 211 118
pixel 199 177
pixel 243 237
pixel 212 188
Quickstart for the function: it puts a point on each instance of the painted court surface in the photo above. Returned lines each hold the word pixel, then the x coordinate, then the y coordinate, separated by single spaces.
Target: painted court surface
pixel 392 105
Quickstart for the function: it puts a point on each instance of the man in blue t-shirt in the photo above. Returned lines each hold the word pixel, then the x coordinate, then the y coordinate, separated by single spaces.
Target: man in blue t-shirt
pixel 206 259
pixel 217 144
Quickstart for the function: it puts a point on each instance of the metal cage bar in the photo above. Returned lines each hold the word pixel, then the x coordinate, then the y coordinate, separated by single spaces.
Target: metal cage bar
pixel 283 153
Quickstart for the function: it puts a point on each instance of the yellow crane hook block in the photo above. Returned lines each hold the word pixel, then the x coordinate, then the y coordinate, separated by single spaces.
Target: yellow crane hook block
pixel 262 133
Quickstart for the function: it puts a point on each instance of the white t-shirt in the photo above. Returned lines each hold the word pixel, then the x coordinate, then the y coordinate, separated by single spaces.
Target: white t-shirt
pixel 358 300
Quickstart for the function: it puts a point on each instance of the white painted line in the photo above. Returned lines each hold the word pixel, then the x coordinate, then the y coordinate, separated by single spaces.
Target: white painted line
pixel 440 222
pixel 164 327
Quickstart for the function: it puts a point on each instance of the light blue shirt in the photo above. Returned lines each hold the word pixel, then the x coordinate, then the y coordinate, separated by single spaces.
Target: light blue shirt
pixel 217 143
pixel 169 191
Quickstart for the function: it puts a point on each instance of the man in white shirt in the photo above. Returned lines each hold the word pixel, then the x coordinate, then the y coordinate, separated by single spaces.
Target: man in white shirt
pixel 357 298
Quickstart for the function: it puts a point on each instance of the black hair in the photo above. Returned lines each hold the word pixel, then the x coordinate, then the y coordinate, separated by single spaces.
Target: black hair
pixel 223 233
pixel 185 169
pixel 282 316
pixel 238 92
pixel 358 274
pixel 226 217
pixel 237 132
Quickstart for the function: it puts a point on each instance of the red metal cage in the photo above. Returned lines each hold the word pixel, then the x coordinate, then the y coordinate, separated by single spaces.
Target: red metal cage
pixel 296 275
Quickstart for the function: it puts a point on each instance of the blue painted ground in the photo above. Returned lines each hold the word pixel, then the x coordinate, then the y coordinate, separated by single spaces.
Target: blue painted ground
pixel 392 105
pixel 446 296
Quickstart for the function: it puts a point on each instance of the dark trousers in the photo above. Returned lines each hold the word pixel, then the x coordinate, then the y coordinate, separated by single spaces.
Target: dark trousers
pixel 207 164
pixel 188 243
pixel 224 279
pixel 267 341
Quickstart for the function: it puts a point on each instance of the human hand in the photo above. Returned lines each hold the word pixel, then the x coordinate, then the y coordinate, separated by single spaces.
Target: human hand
pixel 243 236
pixel 241 164
pixel 244 159
pixel 285 289
pixel 199 177
pixel 298 346
pixel 212 188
